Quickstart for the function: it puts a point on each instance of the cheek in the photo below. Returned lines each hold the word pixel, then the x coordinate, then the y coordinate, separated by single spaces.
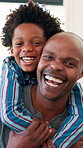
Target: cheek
pixel 15 51
pixel 41 65
pixel 39 52
pixel 72 77
pixel 39 69
pixel 71 80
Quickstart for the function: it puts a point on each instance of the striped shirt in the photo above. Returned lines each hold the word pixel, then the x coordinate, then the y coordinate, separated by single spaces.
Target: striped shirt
pixel 15 115
pixel 13 80
pixel 72 128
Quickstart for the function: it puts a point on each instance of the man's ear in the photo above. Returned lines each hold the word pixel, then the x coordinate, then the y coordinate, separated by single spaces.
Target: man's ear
pixel 81 75
pixel 11 51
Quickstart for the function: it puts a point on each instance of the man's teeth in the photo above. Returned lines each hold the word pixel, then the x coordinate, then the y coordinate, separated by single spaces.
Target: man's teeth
pixel 53 79
pixel 50 84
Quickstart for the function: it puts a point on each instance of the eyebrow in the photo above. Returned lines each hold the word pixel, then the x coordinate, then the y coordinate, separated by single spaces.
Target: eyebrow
pixel 34 37
pixel 48 52
pixel 66 58
pixel 72 58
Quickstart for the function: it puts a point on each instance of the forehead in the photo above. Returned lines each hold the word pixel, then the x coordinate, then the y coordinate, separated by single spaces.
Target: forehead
pixel 64 45
pixel 28 28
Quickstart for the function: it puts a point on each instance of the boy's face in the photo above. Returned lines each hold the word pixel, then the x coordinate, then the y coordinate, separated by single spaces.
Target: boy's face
pixel 27 44
pixel 60 66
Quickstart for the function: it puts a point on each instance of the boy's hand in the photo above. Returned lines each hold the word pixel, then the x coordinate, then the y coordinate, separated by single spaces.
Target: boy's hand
pixel 33 137
pixel 48 144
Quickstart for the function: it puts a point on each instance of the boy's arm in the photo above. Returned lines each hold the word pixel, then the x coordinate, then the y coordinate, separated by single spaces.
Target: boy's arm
pixel 49 144
pixel 13 114
pixel 72 128
pixel 69 132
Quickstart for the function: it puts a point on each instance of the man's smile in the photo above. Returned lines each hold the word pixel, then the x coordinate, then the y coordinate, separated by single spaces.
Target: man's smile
pixel 53 81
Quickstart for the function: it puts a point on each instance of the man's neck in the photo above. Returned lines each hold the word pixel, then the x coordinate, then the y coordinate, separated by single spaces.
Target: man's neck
pixel 47 108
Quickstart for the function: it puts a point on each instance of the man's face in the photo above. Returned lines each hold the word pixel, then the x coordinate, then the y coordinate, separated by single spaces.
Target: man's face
pixel 60 67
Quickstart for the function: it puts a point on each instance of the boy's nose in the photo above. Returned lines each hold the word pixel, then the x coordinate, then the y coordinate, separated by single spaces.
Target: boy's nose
pixel 27 48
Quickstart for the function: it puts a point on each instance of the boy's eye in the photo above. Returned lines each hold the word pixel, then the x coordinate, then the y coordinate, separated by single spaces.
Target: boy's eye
pixel 36 43
pixel 18 43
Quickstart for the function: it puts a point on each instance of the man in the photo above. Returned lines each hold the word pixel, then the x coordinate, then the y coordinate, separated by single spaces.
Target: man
pixel 61 65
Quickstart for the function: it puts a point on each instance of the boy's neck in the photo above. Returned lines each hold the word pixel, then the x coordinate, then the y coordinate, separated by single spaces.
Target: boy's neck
pixel 32 74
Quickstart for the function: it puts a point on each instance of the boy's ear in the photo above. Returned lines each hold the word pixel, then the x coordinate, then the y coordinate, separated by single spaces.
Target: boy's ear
pixel 11 50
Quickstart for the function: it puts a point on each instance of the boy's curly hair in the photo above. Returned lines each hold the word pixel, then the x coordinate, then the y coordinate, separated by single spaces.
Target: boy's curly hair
pixel 29 13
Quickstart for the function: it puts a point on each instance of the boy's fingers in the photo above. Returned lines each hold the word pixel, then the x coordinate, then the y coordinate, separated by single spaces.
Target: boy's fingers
pixel 53 131
pixel 44 135
pixel 38 132
pixel 30 130
pixel 44 145
pixel 50 144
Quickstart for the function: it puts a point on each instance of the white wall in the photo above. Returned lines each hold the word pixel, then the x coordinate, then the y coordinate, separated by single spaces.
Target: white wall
pixel 4 11
pixel 74 18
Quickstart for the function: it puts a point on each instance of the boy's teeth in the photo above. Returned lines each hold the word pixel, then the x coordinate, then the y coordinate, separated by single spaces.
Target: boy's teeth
pixel 27 59
pixel 53 79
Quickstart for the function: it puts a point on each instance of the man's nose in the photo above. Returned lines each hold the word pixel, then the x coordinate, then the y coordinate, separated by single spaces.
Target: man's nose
pixel 57 65
pixel 27 48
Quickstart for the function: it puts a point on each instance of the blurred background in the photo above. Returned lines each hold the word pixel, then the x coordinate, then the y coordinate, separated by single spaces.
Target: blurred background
pixel 70 12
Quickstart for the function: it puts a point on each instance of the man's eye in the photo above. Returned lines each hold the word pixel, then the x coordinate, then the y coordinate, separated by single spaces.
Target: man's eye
pixel 48 57
pixel 70 64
